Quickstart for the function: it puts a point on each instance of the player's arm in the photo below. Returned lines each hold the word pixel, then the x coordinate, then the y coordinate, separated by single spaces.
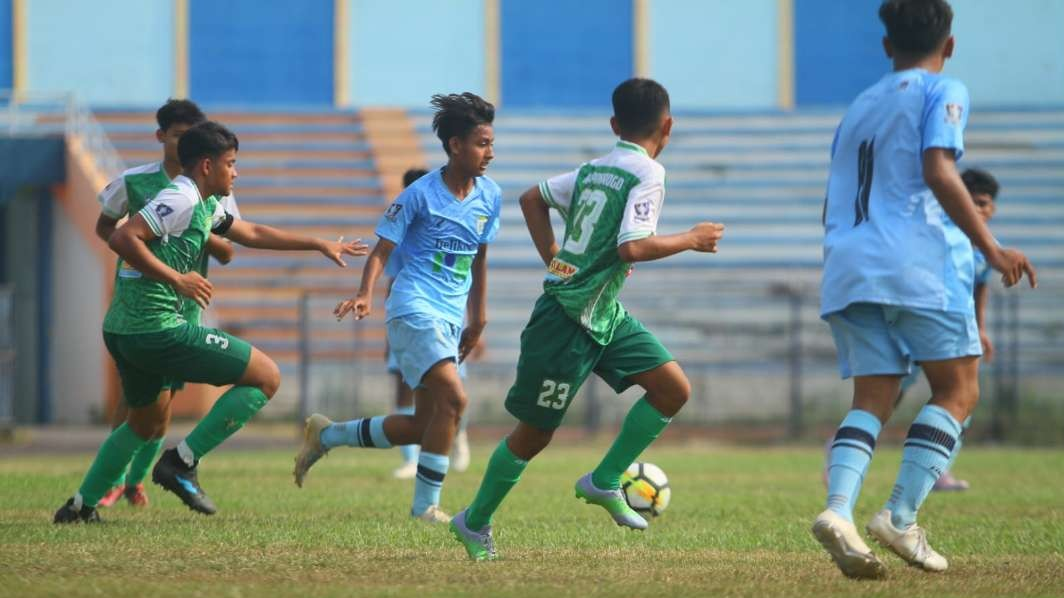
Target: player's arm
pixel 220 249
pixel 260 236
pixel 105 226
pixel 476 305
pixel 941 176
pixel 982 294
pixel 130 242
pixel 362 303
pixel 537 219
pixel 702 237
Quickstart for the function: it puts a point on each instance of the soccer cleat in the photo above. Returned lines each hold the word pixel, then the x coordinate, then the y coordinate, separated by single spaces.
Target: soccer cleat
pixel 480 545
pixel 910 544
pixel 851 555
pixel 173 474
pixel 75 512
pixel 111 497
pixel 611 500
pixel 406 471
pixel 312 450
pixel 460 452
pixel 947 483
pixel 433 514
pixel 136 496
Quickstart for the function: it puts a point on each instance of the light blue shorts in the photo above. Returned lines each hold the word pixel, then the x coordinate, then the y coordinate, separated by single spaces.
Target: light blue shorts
pixel 393 364
pixel 417 342
pixel 874 339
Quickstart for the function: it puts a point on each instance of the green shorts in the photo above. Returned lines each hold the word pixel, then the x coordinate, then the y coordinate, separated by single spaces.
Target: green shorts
pixel 156 361
pixel 557 355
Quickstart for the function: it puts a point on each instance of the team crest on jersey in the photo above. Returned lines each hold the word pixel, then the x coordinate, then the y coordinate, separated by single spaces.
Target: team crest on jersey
pixel 642 211
pixel 562 269
pixel 954 112
pixel 162 210
pixel 482 221
pixel 393 211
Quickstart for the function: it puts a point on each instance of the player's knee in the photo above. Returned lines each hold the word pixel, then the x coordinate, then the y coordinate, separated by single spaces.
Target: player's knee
pixel 670 398
pixel 269 378
pixel 453 403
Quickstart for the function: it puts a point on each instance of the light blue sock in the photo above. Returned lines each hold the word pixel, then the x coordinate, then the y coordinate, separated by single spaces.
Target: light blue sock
pixel 960 441
pixel 851 452
pixel 928 448
pixel 408 451
pixel 367 432
pixel 431 469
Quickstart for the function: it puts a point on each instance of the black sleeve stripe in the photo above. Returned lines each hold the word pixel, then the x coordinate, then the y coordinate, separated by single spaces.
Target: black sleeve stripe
pixel 223 227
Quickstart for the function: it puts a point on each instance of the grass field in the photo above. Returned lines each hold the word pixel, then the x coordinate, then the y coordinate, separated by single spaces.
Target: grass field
pixel 738 526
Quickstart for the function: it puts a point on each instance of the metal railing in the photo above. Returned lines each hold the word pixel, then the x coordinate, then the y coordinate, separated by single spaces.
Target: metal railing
pixel 7 360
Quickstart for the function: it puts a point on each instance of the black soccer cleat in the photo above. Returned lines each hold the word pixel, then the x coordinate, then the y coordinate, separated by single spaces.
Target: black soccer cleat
pixel 173 474
pixel 69 513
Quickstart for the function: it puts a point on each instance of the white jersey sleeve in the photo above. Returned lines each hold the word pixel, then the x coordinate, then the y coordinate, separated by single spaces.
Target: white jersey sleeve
pixel 557 191
pixel 229 203
pixel 114 199
pixel 643 208
pixel 170 213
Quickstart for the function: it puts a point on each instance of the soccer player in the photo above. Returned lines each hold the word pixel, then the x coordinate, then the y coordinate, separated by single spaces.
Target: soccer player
pixel 404 395
pixel 983 188
pixel 610 207
pixel 124 197
pixel 152 343
pixel 442 224
pixel 897 282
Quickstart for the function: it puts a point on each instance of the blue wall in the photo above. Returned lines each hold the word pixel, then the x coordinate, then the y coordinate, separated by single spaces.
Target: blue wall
pixel 1010 53
pixel 270 53
pixel 117 52
pixel 838 50
pixel 715 54
pixel 562 53
pixel 402 51
pixel 6 74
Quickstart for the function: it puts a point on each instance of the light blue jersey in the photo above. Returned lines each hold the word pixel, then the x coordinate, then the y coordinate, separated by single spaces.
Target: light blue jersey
pixel 982 268
pixel 438 237
pixel 887 240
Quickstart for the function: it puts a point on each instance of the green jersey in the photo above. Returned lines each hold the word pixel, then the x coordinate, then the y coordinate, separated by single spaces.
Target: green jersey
pixel 182 221
pixel 606 202
pixel 130 192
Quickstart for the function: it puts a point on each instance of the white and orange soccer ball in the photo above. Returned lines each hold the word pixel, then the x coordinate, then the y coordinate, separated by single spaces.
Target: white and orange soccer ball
pixel 646 488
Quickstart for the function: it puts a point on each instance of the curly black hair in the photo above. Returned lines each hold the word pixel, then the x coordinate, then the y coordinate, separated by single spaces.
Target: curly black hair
pixel 458 114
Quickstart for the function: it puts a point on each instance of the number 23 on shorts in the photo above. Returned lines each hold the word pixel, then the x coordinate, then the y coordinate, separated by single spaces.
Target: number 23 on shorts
pixel 553 395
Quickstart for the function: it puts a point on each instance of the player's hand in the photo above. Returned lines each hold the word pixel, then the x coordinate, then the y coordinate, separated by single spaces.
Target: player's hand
pixel 360 305
pixel 195 287
pixel 706 235
pixel 988 347
pixel 1012 264
pixel 470 340
pixel 335 250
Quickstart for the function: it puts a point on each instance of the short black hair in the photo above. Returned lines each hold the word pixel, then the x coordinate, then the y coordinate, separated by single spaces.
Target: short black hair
pixel 412 175
pixel 184 112
pixel 458 114
pixel 205 140
pixel 638 105
pixel 980 181
pixel 916 27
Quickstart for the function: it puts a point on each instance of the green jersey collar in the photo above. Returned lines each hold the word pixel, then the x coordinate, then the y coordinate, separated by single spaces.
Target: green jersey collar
pixel 628 145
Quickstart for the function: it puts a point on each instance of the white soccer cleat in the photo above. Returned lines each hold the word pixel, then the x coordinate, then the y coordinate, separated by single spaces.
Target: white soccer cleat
pixel 433 514
pixel 840 539
pixel 460 452
pixel 910 544
pixel 312 450
pixel 406 471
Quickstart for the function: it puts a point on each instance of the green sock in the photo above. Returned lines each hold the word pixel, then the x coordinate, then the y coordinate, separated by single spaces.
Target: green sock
pixel 142 461
pixel 111 460
pixel 121 480
pixel 504 469
pixel 641 426
pixel 230 412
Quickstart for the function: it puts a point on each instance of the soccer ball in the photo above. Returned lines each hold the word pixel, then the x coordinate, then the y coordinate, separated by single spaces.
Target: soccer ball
pixel 646 488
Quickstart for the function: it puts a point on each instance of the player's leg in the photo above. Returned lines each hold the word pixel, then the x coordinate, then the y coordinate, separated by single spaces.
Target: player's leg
pixel 460 447
pixel 404 405
pixel 198 354
pixel 442 386
pixel 868 353
pixel 117 419
pixel 147 394
pixel 556 357
pixel 947 345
